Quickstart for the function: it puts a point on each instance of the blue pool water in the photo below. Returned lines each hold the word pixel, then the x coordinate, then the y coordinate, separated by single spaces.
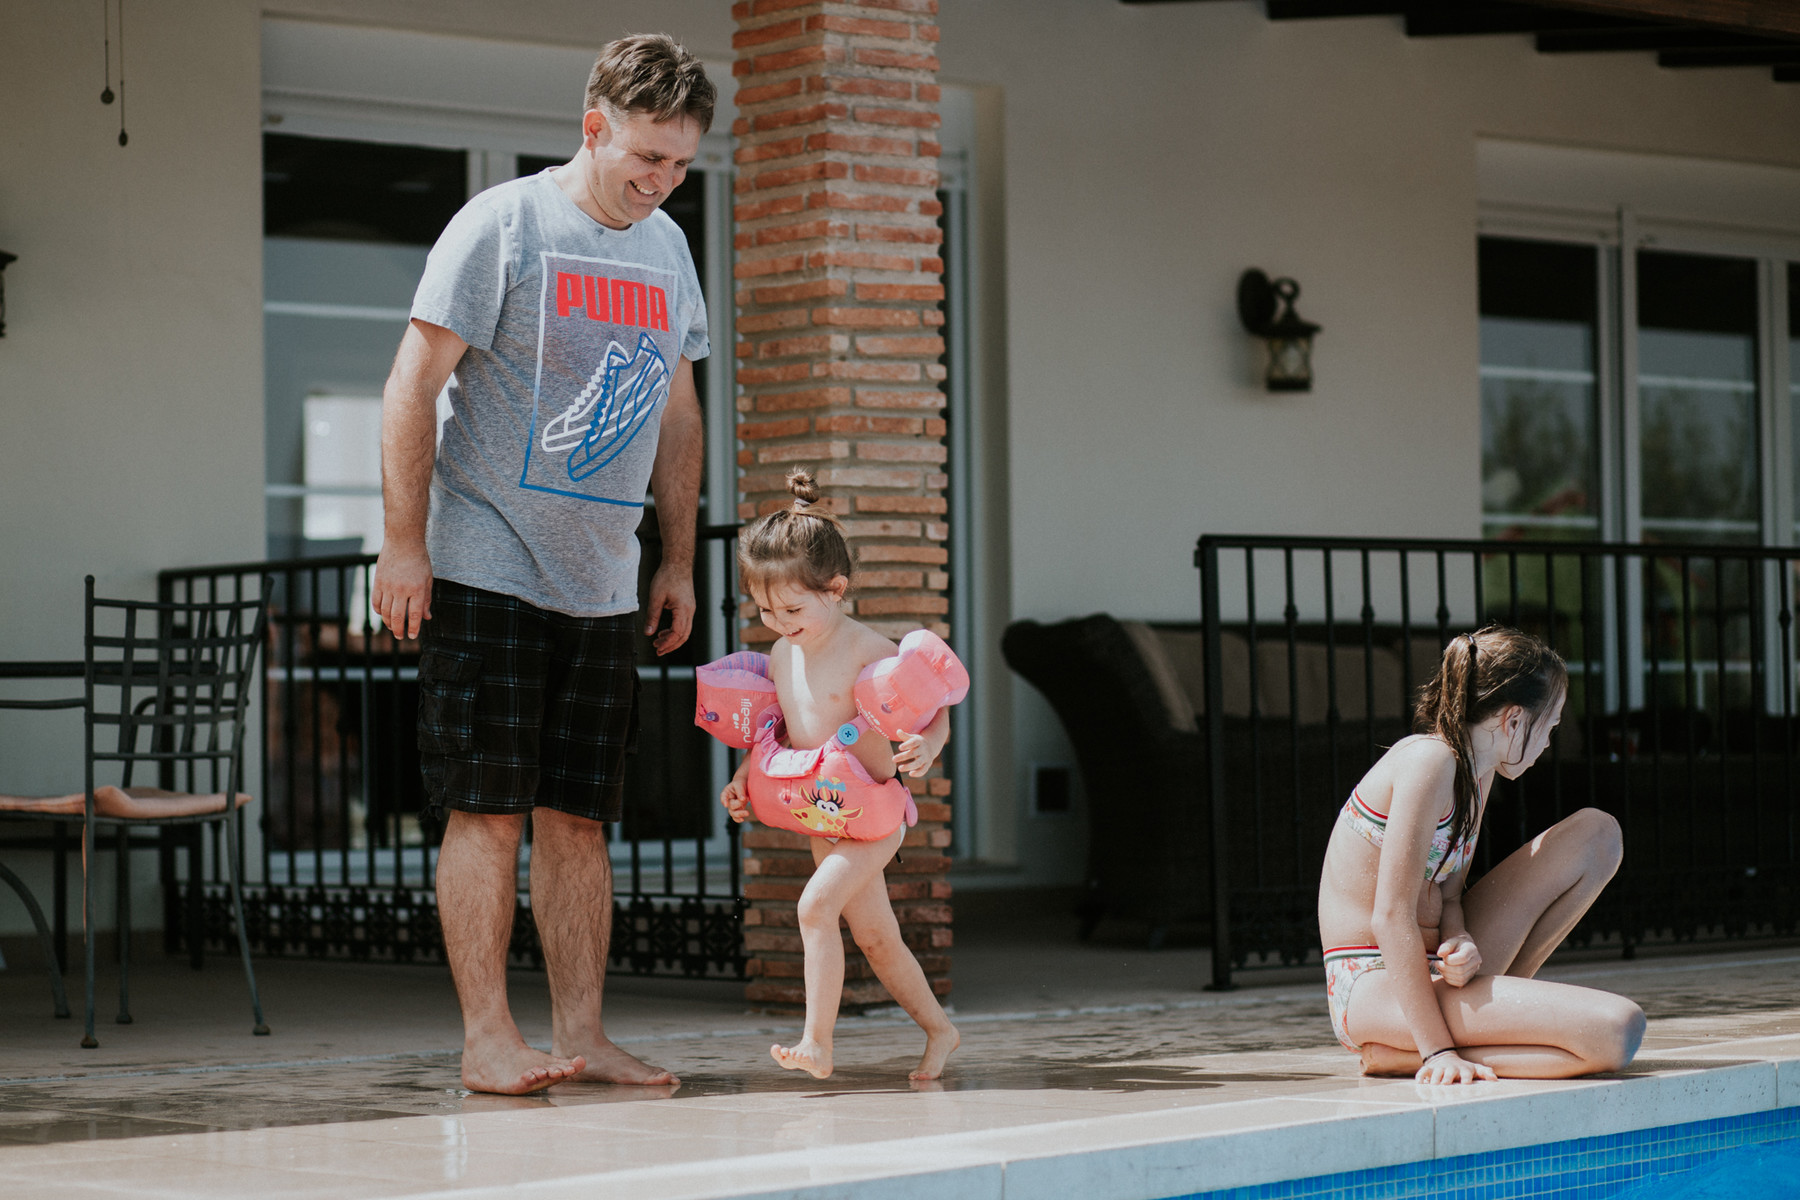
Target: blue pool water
pixel 1755 1155
pixel 1770 1170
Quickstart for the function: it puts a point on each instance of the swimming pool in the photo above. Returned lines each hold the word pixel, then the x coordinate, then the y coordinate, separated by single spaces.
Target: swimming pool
pixel 1622 1166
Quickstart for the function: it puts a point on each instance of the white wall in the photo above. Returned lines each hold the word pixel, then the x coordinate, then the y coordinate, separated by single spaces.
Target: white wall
pixel 1152 153
pixel 131 370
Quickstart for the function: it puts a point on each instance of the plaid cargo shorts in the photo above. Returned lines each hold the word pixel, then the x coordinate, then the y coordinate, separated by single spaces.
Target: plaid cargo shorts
pixel 520 707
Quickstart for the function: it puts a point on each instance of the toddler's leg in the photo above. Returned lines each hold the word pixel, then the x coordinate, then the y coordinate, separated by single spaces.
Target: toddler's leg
pixel 841 871
pixel 877 934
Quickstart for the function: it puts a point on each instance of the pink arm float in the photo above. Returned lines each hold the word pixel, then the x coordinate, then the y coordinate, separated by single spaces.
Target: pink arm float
pixel 896 697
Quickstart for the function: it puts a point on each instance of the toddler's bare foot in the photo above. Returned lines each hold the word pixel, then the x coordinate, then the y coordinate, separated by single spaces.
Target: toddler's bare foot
pixel 1378 1059
pixel 804 1055
pixel 939 1044
pixel 514 1070
pixel 606 1063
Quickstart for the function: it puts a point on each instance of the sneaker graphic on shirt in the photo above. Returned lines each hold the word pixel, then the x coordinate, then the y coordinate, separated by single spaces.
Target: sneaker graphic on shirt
pixel 609 412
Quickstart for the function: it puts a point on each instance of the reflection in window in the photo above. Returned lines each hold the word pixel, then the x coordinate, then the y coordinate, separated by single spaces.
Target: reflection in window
pixel 1697 396
pixel 1539 446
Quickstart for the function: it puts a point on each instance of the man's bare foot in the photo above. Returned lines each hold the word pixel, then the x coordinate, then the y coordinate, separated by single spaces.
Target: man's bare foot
pixel 938 1047
pixel 606 1063
pixel 804 1055
pixel 1378 1059
pixel 515 1070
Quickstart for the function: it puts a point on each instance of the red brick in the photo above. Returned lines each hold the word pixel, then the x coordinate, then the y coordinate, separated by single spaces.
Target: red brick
pixel 931 208
pixel 899 291
pixel 762 8
pixel 867 398
pixel 932 317
pixel 805 115
pixel 909 117
pixel 872 318
pixel 881 477
pixel 783 176
pixel 924 235
pixel 889 579
pixel 928 7
pixel 858 143
pixel 793 318
pixel 786 373
pixel 781 90
pixel 774 235
pixel 875 371
pixel 932 266
pixel 782 148
pixel 926 33
pixel 772 265
pixel 930 150
pixel 910 451
pixel 882 529
pixel 940 787
pixel 932 505
pixel 930 93
pixel 897 346
pixel 804 452
pixel 937 581
pixel 764 34
pixel 812 289
pixel 857 423
pixel 782 60
pixel 774 206
pixel 866 259
pixel 752 430
pixel 860 26
pixel 804 398
pixel 814 344
pixel 871 56
pixel 934 812
pixel 872 202
pixel 906 176
pixel 936 427
pixel 936 531
pixel 861 85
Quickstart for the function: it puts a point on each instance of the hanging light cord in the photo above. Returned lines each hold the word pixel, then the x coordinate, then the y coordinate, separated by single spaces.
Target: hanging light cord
pixel 123 137
pixel 106 93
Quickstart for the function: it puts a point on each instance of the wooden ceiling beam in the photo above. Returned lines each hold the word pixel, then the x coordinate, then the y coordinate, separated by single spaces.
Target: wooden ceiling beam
pixel 1763 56
pixel 1772 18
pixel 1307 10
pixel 1661 37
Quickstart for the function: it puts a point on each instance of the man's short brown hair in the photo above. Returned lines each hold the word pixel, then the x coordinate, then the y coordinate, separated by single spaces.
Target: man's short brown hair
pixel 651 73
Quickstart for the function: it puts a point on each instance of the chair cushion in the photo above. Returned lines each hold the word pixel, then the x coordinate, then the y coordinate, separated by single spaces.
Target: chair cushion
pixel 134 804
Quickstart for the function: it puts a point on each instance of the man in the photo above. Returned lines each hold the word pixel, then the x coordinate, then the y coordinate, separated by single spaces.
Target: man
pixel 569 310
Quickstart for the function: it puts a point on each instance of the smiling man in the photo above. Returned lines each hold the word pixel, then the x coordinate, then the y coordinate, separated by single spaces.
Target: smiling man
pixel 564 312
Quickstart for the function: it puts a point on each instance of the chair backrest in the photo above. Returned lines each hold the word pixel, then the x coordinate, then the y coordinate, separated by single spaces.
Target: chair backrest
pixel 169 684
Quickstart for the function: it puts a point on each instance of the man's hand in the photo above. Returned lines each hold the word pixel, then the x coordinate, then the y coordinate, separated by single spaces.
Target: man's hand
pixel 401 592
pixel 1458 960
pixel 671 590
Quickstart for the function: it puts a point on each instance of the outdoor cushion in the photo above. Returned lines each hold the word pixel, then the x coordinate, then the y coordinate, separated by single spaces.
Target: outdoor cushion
pixel 138 803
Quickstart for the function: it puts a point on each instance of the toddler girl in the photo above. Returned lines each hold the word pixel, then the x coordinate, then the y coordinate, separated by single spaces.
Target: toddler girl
pixel 795 565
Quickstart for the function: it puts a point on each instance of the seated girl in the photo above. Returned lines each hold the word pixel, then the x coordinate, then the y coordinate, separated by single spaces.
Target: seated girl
pixel 1425 978
pixel 796 566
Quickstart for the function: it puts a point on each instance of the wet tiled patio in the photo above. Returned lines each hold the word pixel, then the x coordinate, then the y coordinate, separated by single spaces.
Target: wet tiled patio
pixel 1096 1070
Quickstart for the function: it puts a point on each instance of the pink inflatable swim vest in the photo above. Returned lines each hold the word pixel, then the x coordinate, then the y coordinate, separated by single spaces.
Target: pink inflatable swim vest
pixel 825 791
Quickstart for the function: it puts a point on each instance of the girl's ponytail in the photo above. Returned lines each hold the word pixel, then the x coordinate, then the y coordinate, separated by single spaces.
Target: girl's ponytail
pixel 1480 674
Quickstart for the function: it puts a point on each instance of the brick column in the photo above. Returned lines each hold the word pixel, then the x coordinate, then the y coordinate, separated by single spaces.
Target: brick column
pixel 838 326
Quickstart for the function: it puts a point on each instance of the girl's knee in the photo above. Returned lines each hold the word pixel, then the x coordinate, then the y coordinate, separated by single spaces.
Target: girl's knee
pixel 877 943
pixel 816 915
pixel 1624 1026
pixel 1601 835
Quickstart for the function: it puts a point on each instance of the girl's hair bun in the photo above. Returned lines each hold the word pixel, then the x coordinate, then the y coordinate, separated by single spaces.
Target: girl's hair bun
pixel 805 491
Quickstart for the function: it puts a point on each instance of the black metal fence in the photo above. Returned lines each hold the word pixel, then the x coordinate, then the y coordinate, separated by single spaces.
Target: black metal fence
pixel 1680 719
pixel 343 848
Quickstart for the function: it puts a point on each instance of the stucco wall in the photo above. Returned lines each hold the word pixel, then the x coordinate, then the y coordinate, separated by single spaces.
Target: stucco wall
pixel 1151 154
pixel 131 369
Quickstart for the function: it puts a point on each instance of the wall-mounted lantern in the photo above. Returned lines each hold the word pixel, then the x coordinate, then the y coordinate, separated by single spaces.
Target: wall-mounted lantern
pixel 6 260
pixel 1266 307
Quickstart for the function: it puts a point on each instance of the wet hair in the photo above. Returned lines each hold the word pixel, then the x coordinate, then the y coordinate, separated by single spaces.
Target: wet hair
pixel 802 544
pixel 1480 674
pixel 651 73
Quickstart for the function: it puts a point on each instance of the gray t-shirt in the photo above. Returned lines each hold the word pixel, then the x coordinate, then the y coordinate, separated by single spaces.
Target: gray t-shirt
pixel 574 333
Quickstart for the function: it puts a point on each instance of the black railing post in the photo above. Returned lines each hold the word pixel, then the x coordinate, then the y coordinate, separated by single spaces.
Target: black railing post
pixel 1207 559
